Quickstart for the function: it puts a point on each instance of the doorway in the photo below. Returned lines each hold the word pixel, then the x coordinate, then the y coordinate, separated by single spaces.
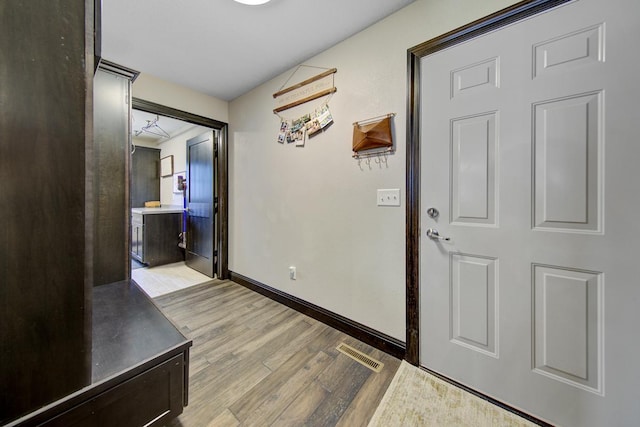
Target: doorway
pixel 220 187
pixel 518 268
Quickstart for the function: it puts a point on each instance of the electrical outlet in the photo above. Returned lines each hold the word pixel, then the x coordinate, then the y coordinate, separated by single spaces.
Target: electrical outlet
pixel 292 273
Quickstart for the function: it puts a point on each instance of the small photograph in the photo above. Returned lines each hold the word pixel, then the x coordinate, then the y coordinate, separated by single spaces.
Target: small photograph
pixel 290 139
pixel 297 124
pixel 325 118
pixel 313 127
pixel 282 136
pixel 300 137
pixel 284 126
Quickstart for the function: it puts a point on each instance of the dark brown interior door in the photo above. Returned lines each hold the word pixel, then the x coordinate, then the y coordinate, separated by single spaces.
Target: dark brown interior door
pixel 200 254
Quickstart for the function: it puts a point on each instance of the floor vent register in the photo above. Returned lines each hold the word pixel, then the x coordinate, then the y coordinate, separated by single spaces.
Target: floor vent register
pixel 360 357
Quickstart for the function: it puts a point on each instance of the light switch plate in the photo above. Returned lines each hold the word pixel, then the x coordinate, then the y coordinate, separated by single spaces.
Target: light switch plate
pixel 389 197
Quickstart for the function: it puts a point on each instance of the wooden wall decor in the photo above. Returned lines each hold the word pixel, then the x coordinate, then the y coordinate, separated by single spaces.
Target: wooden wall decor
pixel 312 88
pixel 373 136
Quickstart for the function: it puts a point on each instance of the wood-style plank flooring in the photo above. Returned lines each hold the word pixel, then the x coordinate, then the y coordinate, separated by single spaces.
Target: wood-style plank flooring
pixel 255 362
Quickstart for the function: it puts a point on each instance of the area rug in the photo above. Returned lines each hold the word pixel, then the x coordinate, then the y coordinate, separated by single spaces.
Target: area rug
pixel 417 398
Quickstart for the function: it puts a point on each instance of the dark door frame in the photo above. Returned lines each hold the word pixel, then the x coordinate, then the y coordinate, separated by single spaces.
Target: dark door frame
pixel 221 173
pixel 497 20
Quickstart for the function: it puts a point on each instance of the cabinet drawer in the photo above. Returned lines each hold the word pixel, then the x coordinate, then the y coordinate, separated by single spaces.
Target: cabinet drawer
pixel 149 399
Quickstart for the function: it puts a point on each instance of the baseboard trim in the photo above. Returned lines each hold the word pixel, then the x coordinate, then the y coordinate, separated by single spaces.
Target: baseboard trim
pixel 357 330
pixel 489 399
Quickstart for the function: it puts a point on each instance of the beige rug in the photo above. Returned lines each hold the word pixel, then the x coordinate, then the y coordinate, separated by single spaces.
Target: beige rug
pixel 416 398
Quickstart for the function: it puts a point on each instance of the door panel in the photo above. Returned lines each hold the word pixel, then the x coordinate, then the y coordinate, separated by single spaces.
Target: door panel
pixel 200 254
pixel 529 153
pixel 473 164
pixel 567 148
pixel 473 297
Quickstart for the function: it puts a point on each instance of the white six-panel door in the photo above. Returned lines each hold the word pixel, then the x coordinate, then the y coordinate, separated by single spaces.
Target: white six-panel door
pixel 530 153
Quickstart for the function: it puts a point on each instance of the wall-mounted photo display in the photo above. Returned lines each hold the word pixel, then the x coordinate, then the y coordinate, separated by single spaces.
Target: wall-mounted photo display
pixel 299 130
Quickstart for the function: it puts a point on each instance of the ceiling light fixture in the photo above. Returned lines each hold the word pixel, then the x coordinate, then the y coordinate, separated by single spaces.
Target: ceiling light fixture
pixel 253 2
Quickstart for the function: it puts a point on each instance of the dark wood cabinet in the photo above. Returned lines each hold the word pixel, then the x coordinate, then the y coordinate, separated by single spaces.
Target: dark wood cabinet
pixel 145 177
pixel 140 367
pixel 155 394
pixel 72 353
pixel 111 157
pixel 155 238
pixel 46 69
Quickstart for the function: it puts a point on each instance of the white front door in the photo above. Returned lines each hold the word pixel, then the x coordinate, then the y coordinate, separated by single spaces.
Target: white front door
pixel 530 154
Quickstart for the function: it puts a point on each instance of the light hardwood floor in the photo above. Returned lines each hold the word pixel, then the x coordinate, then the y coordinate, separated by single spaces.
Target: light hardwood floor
pixel 255 362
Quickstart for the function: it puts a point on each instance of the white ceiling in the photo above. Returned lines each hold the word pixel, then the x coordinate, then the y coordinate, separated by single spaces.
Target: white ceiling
pixel 153 128
pixel 223 48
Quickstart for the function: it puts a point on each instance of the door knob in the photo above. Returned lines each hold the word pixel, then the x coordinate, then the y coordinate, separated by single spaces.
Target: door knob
pixel 433 234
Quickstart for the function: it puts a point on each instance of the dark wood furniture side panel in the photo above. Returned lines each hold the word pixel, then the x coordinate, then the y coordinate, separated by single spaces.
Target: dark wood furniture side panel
pixel 145 179
pixel 161 238
pixel 111 177
pixel 46 65
pixel 150 399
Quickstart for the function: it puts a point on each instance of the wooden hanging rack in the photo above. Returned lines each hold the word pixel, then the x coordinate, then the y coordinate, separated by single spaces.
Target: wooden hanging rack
pixel 306 82
pixel 302 84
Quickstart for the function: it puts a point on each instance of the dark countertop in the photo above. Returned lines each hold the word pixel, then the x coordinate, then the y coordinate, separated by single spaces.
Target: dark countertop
pixel 128 330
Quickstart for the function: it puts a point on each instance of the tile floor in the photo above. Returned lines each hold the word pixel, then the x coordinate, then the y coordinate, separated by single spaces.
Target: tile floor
pixel 164 279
